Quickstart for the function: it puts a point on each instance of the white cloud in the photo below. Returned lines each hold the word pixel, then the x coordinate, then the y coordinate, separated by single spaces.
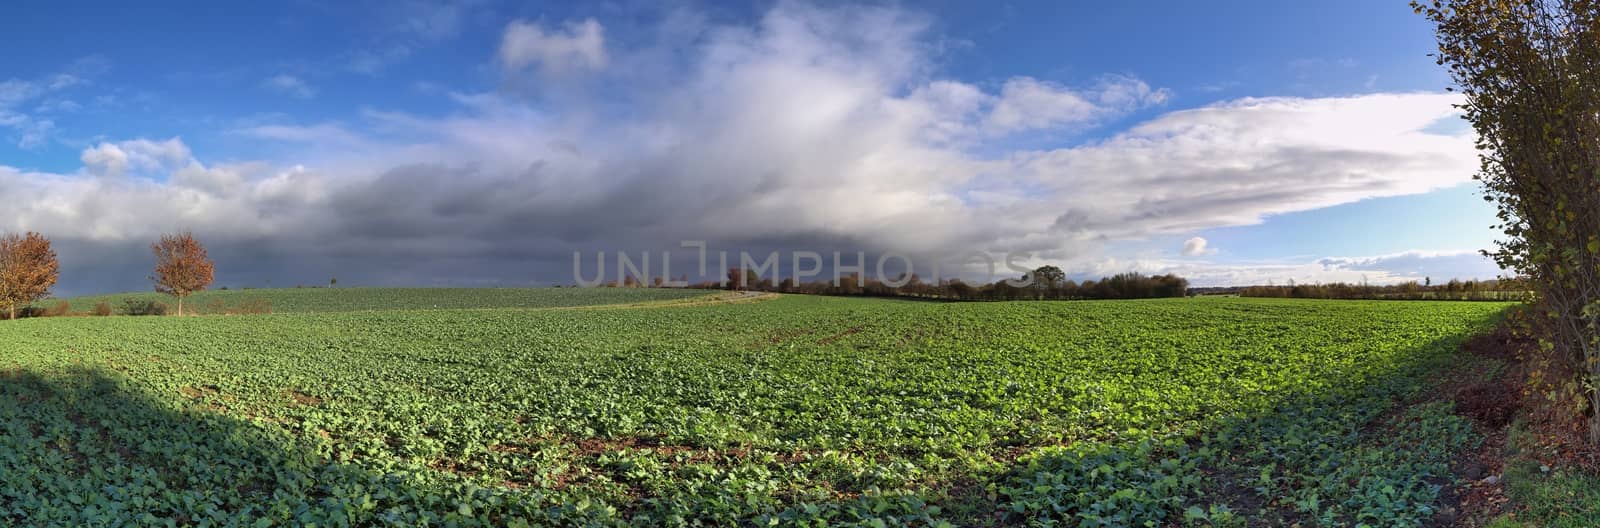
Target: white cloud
pixel 115 159
pixel 1026 103
pixel 1196 247
pixel 157 154
pixel 105 159
pixel 579 46
pixel 290 85
pixel 1440 264
pixel 224 180
pixel 1234 163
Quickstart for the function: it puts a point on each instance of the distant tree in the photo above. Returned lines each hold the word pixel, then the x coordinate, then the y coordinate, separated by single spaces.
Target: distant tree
pixel 182 266
pixel 958 289
pixel 851 284
pixel 28 269
pixel 1002 290
pixel 1047 278
pixel 331 283
pixel 1089 289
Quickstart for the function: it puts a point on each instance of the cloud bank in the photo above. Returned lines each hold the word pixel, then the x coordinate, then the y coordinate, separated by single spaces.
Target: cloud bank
pixel 1377 269
pixel 814 129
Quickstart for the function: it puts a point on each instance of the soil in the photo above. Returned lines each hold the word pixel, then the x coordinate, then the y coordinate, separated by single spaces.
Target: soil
pixel 1489 391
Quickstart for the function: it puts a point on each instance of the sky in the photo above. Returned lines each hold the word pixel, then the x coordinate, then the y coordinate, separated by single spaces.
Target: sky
pixel 476 143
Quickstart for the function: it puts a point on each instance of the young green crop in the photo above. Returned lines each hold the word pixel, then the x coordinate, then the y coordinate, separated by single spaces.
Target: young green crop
pixel 794 411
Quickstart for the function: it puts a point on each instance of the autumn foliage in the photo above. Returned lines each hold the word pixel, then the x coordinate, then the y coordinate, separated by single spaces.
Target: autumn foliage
pixel 28 268
pixel 182 266
pixel 1527 70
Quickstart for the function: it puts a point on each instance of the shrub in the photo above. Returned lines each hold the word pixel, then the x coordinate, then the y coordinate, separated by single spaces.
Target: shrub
pixel 102 309
pixel 254 306
pixel 142 307
pixel 59 309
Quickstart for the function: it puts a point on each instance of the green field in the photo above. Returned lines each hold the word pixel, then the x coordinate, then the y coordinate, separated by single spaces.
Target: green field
pixel 305 300
pixel 793 411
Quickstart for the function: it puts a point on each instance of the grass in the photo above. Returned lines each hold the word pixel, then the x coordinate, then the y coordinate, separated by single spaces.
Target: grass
pixel 1546 496
pixel 794 411
pixel 325 300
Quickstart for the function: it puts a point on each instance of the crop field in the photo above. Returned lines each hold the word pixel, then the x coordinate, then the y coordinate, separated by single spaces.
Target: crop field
pixel 305 300
pixel 795 411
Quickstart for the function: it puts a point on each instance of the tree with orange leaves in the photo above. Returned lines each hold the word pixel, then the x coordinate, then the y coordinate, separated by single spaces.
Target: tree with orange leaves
pixel 28 268
pixel 182 266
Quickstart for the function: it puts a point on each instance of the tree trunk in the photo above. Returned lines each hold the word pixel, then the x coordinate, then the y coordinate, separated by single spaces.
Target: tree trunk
pixel 1594 418
pixel 13 316
pixel 180 306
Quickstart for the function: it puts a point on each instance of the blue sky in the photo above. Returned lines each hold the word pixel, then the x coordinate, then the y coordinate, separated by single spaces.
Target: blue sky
pixel 187 68
pixel 1063 129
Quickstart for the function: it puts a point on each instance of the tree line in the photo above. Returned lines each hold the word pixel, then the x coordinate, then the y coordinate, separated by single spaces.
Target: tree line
pixel 29 268
pixel 1454 290
pixel 1043 283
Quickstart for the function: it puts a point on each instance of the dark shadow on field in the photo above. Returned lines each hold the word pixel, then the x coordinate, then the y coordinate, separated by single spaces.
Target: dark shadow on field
pixel 1375 448
pixel 86 448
